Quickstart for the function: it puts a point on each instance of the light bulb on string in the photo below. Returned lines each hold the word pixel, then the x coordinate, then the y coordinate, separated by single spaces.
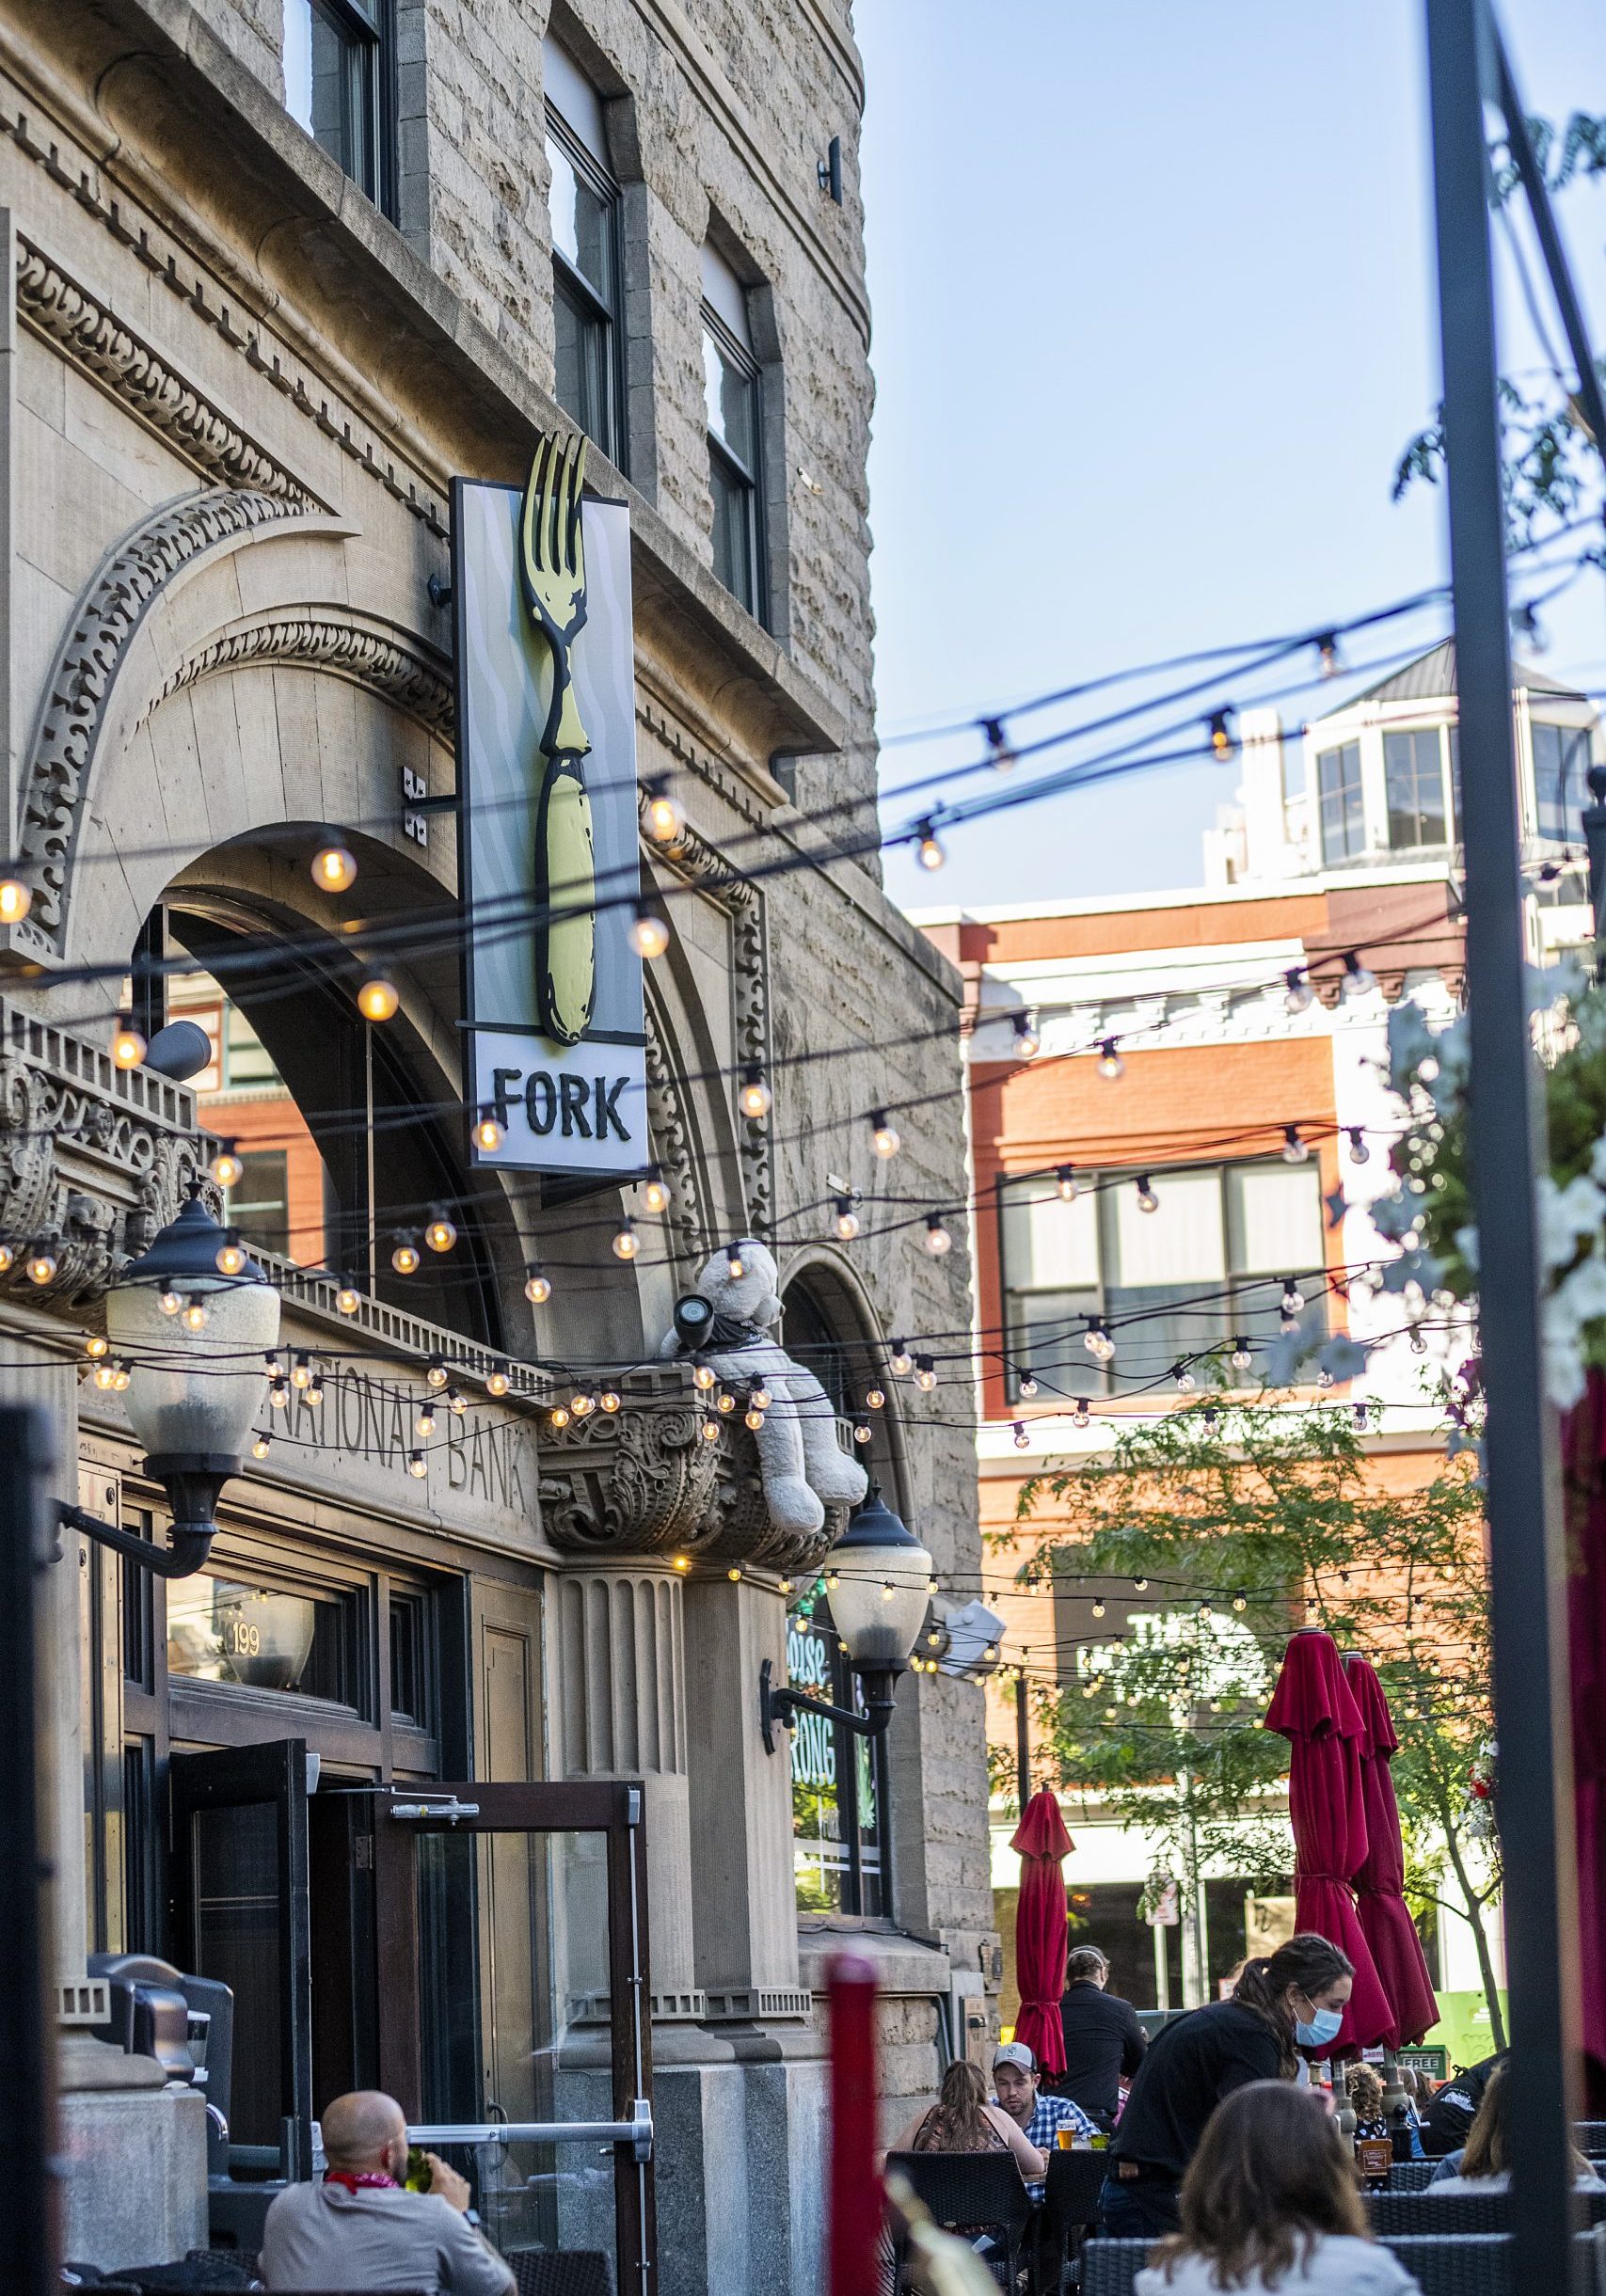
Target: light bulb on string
pixel 7 1259
pixel 1026 1384
pixel 378 998
pixel 755 1099
pixel 1359 1151
pixel 929 851
pixel 1147 1199
pixel 704 1377
pixel 1066 1182
pixel 301 1370
pixel 665 820
pixel 123 1372
pixel 226 1169
pixel 1028 1043
pixel 418 1465
pixel 194 1316
pixel 170 1302
pixel 1324 1377
pixel 626 1242
pixel 1293 1149
pixel 315 1393
pixel 231 1254
pixel 1240 1358
pixel 1141 1585
pixel 754 1419
pixel 262 1446
pixel 1097 1341
pixel 846 1221
pixel 1358 980
pixel 405 1258
pixel 1292 1301
pixel 497 1380
pixel 1023 1441
pixel 925 1373
pixel 456 1402
pixel 725 1401
pixel 1000 754
pixel 1301 996
pixel 582 1404
pixel 16 899
pixel 937 1239
pixel 1419 1341
pixel 760 1398
pixel 441 1233
pixel 559 1416
pixel 1099 1605
pixel 334 867
pixel 655 1195
pixel 710 1431
pixel 488 1136
pixel 95 1347
pixel 885 1137
pixel 538 1285
pixel 863 1433
pixel 279 1394
pixel 875 1398
pixel 1222 742
pixel 900 1362
pixel 1080 1414
pixel 1110 1062
pixel 1328 660
pixel 734 1574
pixel 1184 1379
pixel 105 1376
pixel 735 1265
pixel 128 1044
pixel 608 1400
pixel 1240 1602
pixel 348 1299
pixel 649 931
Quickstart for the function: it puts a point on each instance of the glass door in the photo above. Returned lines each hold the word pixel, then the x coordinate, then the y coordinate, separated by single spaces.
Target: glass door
pixel 242 1901
pixel 515 1916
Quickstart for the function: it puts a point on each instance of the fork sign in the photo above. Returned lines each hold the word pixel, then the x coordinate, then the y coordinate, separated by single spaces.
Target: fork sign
pixel 551 559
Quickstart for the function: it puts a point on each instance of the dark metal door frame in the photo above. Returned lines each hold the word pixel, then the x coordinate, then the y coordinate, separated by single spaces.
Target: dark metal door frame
pixel 613 1809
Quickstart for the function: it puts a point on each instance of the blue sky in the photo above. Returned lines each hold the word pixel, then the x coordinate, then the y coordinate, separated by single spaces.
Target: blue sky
pixel 1153 293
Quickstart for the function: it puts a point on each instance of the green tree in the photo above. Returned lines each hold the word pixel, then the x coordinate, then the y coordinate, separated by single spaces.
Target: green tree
pixel 1233 1521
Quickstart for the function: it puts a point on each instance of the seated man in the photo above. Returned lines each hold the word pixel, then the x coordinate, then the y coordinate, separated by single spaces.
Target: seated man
pixel 359 2228
pixel 1015 2088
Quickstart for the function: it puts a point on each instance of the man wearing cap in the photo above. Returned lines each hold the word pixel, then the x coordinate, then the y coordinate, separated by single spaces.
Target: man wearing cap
pixel 1040 2118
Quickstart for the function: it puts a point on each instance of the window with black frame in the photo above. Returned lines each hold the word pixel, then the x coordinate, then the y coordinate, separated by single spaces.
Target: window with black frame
pixel 731 385
pixel 1561 786
pixel 838 1779
pixel 587 257
pixel 338 69
pixel 1416 784
pixel 1180 1264
pixel 1341 805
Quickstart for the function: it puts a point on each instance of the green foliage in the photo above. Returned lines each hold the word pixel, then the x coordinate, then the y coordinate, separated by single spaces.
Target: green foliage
pixel 1245 1519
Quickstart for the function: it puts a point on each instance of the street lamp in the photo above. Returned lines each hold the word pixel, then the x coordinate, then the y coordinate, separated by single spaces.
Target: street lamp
pixel 195 1379
pixel 881 1580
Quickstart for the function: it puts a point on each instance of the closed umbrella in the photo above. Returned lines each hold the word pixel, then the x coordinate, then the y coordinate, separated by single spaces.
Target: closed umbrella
pixel 1311 1707
pixel 1040 1929
pixel 1586 1452
pixel 1379 1879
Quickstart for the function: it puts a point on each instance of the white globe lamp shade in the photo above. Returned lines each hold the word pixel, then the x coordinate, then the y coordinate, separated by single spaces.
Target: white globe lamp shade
pixel 878 1604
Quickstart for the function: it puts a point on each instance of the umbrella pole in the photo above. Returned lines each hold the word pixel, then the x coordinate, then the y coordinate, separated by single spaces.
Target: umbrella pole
pixel 1508 1148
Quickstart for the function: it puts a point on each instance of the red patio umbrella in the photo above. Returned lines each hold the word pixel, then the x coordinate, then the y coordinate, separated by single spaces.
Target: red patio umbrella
pixel 1040 1929
pixel 1313 1708
pixel 1379 1879
pixel 1585 1454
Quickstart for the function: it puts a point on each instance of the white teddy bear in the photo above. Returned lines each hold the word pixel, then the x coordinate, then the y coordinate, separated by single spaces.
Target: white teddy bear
pixel 804 1470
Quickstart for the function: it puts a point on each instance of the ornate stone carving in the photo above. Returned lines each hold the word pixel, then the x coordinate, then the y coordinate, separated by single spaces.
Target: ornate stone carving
pixel 55 782
pixel 373 657
pixel 93 1159
pixel 646 1482
pixel 93 337
pixel 697 863
pixel 674 1148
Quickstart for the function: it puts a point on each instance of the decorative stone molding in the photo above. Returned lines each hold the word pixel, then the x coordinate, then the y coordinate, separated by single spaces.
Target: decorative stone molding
pixel 93 1157
pixel 55 778
pixel 95 338
pixel 758 2005
pixel 368 655
pixel 646 1482
pixel 674 1143
pixel 698 864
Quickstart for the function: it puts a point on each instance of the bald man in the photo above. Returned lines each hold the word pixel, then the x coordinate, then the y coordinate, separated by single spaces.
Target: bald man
pixel 361 2229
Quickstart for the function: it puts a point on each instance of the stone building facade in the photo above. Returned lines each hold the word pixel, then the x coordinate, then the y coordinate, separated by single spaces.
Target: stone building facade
pixel 240 363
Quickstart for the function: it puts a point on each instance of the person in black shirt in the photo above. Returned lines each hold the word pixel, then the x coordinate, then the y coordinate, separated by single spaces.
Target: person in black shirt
pixel 1103 2038
pixel 1449 2118
pixel 1295 2000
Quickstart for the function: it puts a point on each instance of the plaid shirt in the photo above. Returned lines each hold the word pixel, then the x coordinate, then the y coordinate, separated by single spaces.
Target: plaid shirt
pixel 1048 2117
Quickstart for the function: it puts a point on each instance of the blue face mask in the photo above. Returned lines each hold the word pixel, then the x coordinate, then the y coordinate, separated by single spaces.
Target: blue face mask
pixel 1316 2032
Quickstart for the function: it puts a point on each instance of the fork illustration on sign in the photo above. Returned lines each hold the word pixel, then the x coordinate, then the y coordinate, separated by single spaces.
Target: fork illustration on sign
pixel 551 559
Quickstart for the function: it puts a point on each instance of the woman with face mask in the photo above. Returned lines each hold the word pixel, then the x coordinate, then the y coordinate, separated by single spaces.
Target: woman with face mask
pixel 1291 2001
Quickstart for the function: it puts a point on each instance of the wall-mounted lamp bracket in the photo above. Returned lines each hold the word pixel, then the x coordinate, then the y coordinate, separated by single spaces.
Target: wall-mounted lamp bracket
pixel 778 1708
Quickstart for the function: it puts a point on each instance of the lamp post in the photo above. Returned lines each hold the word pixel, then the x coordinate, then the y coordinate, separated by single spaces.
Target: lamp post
pixel 878 1606
pixel 195 1378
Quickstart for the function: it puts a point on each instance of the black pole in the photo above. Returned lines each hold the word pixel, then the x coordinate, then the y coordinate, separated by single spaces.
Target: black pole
pixel 1507 1152
pixel 29 2223
pixel 1023 1743
pixel 1595 846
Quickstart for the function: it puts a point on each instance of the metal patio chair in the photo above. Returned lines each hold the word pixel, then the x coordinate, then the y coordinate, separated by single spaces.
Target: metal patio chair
pixel 1458 2263
pixel 1433 2212
pixel 984 2189
pixel 1410 2175
pixel 578 2271
pixel 1110 2266
pixel 1069 2209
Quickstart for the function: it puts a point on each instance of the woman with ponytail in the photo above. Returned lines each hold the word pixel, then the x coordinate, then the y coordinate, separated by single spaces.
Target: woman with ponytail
pixel 1282 2003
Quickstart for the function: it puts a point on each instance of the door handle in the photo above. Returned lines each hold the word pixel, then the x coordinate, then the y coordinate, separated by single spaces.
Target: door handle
pixel 637 2131
pixel 447 1808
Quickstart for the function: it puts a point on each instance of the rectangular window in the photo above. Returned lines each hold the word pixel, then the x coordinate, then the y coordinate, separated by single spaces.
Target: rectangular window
pixel 258 1638
pixel 837 1782
pixel 1339 798
pixel 1203 1267
pixel 730 381
pixel 337 66
pixel 258 1203
pixel 589 334
pixel 1561 789
pixel 1413 774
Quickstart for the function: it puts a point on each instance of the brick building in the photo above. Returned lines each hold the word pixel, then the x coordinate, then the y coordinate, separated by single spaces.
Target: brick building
pixel 275 275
